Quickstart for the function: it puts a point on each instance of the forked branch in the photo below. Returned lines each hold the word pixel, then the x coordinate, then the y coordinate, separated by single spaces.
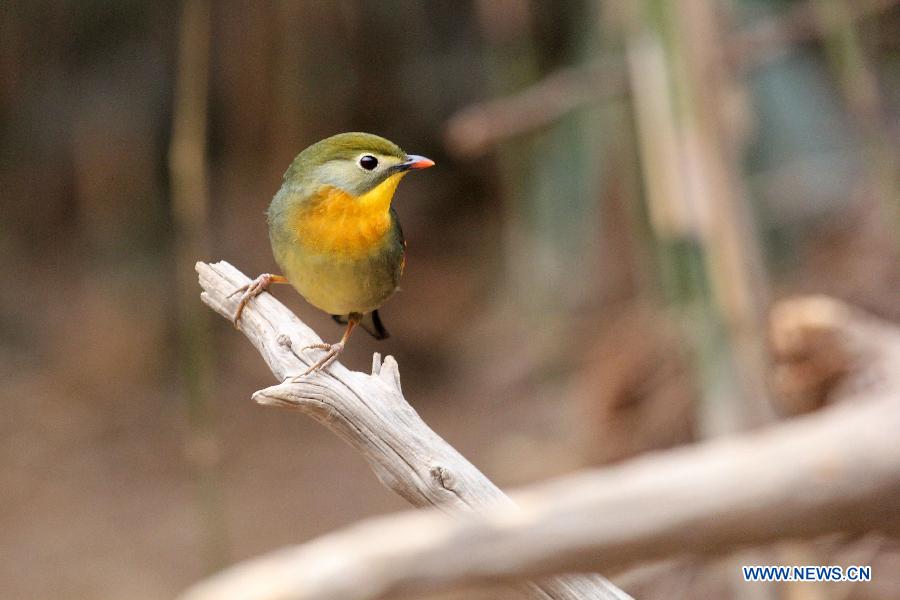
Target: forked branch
pixel 371 414
pixel 836 470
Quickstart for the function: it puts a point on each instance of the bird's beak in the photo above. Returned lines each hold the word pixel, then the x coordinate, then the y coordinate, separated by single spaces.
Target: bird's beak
pixel 414 161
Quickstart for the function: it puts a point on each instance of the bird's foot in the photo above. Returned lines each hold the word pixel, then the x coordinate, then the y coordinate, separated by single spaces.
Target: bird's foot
pixel 251 290
pixel 332 351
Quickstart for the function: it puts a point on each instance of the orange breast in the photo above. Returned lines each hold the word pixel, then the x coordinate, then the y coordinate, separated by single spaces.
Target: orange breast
pixel 334 222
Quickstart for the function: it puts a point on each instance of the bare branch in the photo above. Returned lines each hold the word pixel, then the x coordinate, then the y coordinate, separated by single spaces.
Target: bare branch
pixel 835 470
pixel 838 470
pixel 371 414
pixel 475 129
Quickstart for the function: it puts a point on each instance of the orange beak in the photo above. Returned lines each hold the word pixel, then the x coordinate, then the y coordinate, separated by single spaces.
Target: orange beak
pixel 414 161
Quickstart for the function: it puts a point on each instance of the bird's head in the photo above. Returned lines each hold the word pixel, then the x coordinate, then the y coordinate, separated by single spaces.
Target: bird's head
pixel 357 163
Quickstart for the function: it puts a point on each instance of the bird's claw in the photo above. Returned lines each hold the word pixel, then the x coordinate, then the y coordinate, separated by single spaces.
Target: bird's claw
pixel 332 351
pixel 250 290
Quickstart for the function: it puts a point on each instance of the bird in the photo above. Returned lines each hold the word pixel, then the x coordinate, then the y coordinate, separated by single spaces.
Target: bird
pixel 335 234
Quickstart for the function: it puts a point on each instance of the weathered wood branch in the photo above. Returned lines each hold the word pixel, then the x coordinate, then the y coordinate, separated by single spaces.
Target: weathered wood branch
pixel 371 414
pixel 837 470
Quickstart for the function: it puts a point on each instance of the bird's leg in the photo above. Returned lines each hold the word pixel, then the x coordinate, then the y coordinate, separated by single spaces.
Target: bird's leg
pixel 253 289
pixel 332 351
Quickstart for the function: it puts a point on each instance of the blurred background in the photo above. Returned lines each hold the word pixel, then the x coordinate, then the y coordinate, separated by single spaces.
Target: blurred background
pixel 623 189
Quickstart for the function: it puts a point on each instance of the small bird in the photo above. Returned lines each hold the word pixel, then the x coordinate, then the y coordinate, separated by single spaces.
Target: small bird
pixel 335 235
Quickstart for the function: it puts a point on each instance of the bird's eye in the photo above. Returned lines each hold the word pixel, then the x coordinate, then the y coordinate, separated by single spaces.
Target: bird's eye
pixel 368 162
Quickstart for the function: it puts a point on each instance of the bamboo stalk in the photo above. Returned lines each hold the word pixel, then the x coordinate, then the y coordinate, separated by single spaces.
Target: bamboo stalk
pixel 190 206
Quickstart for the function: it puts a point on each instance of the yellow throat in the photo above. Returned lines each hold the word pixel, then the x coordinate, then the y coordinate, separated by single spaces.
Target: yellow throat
pixel 332 221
